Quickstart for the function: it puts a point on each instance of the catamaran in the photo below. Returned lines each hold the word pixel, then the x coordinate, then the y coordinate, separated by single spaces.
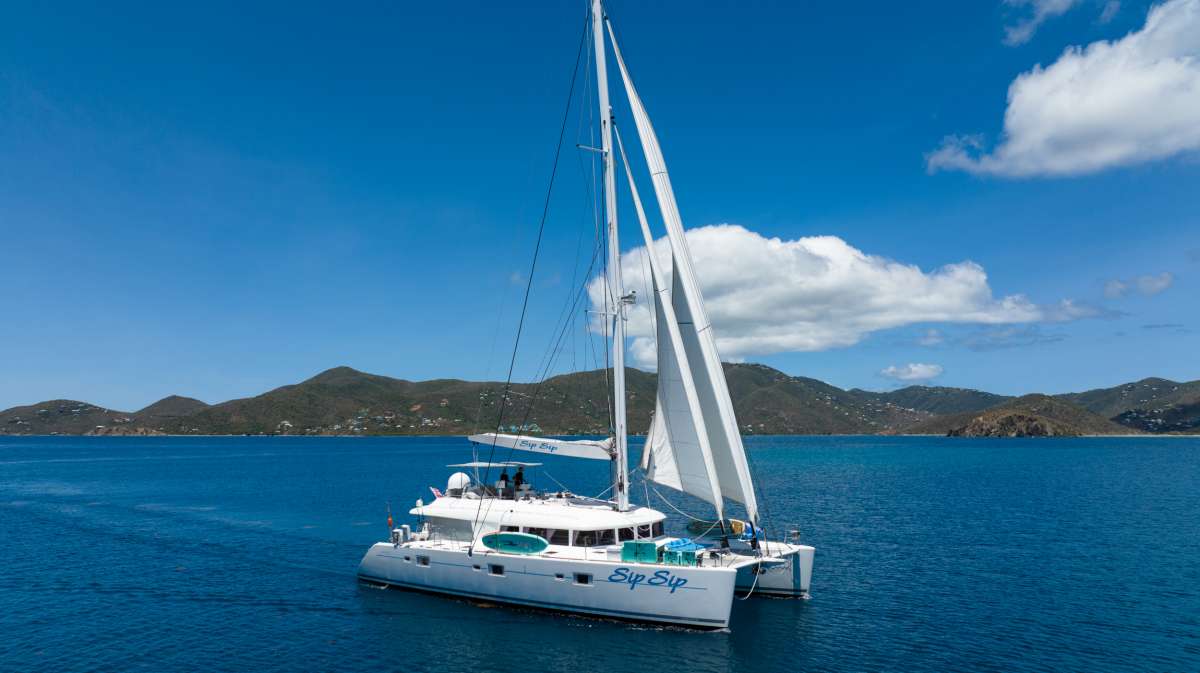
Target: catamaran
pixel 506 542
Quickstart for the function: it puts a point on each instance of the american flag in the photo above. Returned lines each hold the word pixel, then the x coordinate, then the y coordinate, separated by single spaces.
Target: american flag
pixel 436 493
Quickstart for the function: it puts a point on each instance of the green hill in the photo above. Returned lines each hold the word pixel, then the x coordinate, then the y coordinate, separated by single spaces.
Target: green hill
pixel 66 417
pixel 172 406
pixel 1175 418
pixel 1151 393
pixel 1151 405
pixel 767 401
pixel 1030 415
pixel 344 401
pixel 937 400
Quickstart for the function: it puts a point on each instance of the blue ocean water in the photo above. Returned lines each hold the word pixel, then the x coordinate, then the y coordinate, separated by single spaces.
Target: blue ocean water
pixel 238 554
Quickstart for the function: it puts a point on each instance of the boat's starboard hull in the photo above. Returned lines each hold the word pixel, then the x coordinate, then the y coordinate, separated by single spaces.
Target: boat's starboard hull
pixel 689 596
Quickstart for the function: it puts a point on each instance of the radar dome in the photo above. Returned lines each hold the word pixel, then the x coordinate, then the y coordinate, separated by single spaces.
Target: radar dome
pixel 459 481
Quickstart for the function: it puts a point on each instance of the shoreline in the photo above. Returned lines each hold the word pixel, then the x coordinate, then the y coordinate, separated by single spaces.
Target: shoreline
pixel 265 436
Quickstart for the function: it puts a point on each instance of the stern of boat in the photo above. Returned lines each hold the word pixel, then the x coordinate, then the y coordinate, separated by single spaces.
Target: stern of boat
pixel 785 573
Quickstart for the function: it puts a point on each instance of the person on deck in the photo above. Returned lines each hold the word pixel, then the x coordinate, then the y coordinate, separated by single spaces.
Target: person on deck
pixel 519 478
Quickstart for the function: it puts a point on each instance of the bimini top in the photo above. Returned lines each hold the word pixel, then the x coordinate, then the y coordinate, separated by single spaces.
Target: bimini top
pixel 485 464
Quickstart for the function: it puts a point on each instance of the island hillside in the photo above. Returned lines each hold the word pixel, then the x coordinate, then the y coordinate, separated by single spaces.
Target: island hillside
pixel 345 401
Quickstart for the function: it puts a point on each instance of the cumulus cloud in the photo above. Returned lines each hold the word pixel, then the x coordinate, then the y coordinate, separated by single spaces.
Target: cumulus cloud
pixel 913 371
pixel 768 295
pixel 1038 12
pixel 1111 103
pixel 1148 285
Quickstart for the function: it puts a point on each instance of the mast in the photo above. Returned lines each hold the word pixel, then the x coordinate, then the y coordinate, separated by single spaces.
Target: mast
pixel 615 289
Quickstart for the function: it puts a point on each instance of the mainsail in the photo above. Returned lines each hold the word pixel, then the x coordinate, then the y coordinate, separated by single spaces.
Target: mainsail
pixel 699 349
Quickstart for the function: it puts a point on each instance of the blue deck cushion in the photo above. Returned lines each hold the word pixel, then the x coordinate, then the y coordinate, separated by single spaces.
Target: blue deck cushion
pixel 685 544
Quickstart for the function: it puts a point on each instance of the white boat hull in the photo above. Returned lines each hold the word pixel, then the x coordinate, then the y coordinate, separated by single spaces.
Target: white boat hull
pixel 787 579
pixel 691 596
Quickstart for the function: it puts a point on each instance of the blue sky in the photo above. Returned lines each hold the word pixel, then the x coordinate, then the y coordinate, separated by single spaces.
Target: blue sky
pixel 221 202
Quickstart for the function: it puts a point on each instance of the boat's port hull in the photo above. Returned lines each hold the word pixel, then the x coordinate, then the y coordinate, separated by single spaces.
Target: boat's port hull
pixel 698 597
pixel 789 579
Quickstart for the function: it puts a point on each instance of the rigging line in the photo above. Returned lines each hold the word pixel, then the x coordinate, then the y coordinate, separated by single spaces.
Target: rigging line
pixel 533 263
pixel 488 369
pixel 647 286
pixel 646 485
pixel 589 182
pixel 753 585
pixel 565 321
pixel 561 488
pixel 556 351
pixel 664 499
pixel 608 398
pixel 533 396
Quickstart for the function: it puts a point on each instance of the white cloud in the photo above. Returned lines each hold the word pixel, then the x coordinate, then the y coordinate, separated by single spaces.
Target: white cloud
pixel 1117 103
pixel 997 338
pixel 1115 288
pixel 1148 285
pixel 1152 285
pixel 913 371
pixel 1022 31
pixel 931 337
pixel 1110 11
pixel 768 295
pixel 1067 310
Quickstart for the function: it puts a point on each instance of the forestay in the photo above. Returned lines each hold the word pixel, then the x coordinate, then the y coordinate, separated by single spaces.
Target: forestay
pixel 579 448
pixel 699 345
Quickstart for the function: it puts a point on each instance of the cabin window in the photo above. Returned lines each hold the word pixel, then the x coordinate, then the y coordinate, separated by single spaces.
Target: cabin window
pixel 510 529
pixel 408 559
pixel 585 538
pixel 475 567
pixel 606 537
pixel 560 536
pixel 558 576
pixel 583 579
pixel 644 531
pixel 540 532
pixel 423 561
pixel 496 569
pixel 624 534
pixel 658 529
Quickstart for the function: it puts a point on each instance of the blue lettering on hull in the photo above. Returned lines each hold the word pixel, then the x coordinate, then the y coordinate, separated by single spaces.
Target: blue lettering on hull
pixel 661 578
